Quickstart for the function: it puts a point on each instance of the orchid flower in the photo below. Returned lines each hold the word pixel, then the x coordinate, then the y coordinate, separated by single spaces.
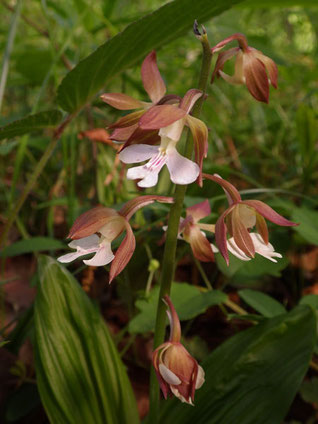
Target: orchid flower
pixel 263 249
pixel 170 121
pixel 251 67
pixel 126 128
pixel 94 231
pixel 190 230
pixel 177 371
pixel 239 217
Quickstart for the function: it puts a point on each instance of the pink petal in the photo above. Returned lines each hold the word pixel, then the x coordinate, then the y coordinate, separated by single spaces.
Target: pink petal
pixel 229 188
pixel 270 66
pixel 190 99
pixel 200 137
pixel 137 153
pixel 239 37
pixel 128 120
pixel 121 101
pixel 122 134
pixel 240 234
pixel 151 78
pixel 175 328
pixel 182 170
pixel 90 222
pixel 139 136
pixel 261 227
pixel 200 210
pixel 200 245
pixel 123 253
pixel 102 257
pixel 269 213
pixel 222 58
pixel 256 77
pixel 220 234
pixel 160 116
pixel 133 205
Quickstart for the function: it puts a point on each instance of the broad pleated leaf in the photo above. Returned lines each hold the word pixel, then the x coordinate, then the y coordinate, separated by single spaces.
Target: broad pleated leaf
pixel 81 378
pixel 187 299
pixel 31 123
pixel 132 45
pixel 254 376
pixel 262 303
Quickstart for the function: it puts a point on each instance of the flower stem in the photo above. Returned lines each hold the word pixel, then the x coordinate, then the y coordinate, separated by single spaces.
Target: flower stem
pixel 168 264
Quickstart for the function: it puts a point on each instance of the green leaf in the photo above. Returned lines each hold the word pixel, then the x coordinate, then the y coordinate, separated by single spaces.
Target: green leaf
pixel 262 303
pixel 33 244
pixel 310 299
pixel 6 148
pixel 254 376
pixel 188 300
pixel 307 219
pixel 256 267
pixel 81 378
pixel 278 3
pixel 31 123
pixel 130 46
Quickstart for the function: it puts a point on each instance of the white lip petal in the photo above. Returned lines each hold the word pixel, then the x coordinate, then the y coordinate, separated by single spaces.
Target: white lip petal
pixel 69 257
pixel 85 243
pixel 150 180
pixel 175 391
pixel 173 131
pixel 168 375
pixel 214 248
pixel 103 256
pixel 200 377
pixel 182 170
pixel 137 172
pixel 138 153
pixel 236 251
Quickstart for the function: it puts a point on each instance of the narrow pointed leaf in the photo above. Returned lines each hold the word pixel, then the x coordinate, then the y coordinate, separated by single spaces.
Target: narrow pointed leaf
pixel 31 123
pixel 262 303
pixel 81 378
pixel 131 46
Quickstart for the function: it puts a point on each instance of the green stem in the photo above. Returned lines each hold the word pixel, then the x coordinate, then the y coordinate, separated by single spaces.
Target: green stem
pixel 8 50
pixel 168 264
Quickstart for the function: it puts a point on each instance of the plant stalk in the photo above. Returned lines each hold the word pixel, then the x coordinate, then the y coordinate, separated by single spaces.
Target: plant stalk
pixel 168 264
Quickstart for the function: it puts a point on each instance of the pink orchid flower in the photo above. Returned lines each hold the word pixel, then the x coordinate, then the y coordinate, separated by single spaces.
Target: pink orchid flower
pixel 240 217
pixel 94 231
pixel 251 67
pixel 170 121
pixel 126 128
pixel 177 371
pixel 190 230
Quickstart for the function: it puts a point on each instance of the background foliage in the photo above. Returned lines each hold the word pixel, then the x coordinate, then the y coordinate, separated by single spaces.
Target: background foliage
pixel 267 151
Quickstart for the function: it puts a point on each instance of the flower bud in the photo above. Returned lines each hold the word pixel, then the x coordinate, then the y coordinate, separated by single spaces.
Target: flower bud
pixel 178 372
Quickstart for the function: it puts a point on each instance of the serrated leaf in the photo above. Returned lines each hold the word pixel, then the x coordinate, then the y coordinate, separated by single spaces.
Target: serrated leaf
pixel 188 300
pixel 31 245
pixel 307 219
pixel 254 376
pixel 31 123
pixel 262 303
pixel 130 46
pixel 81 378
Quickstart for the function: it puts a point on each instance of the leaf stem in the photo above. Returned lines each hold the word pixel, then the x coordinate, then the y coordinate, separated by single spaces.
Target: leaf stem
pixel 168 264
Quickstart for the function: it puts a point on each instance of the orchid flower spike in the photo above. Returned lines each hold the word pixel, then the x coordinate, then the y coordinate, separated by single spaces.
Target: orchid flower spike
pixel 177 371
pixel 170 121
pixel 251 67
pixel 239 218
pixel 94 230
pixel 190 230
pixel 126 128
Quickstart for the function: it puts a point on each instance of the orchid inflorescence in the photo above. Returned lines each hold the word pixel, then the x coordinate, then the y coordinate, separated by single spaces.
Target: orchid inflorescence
pixel 152 133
